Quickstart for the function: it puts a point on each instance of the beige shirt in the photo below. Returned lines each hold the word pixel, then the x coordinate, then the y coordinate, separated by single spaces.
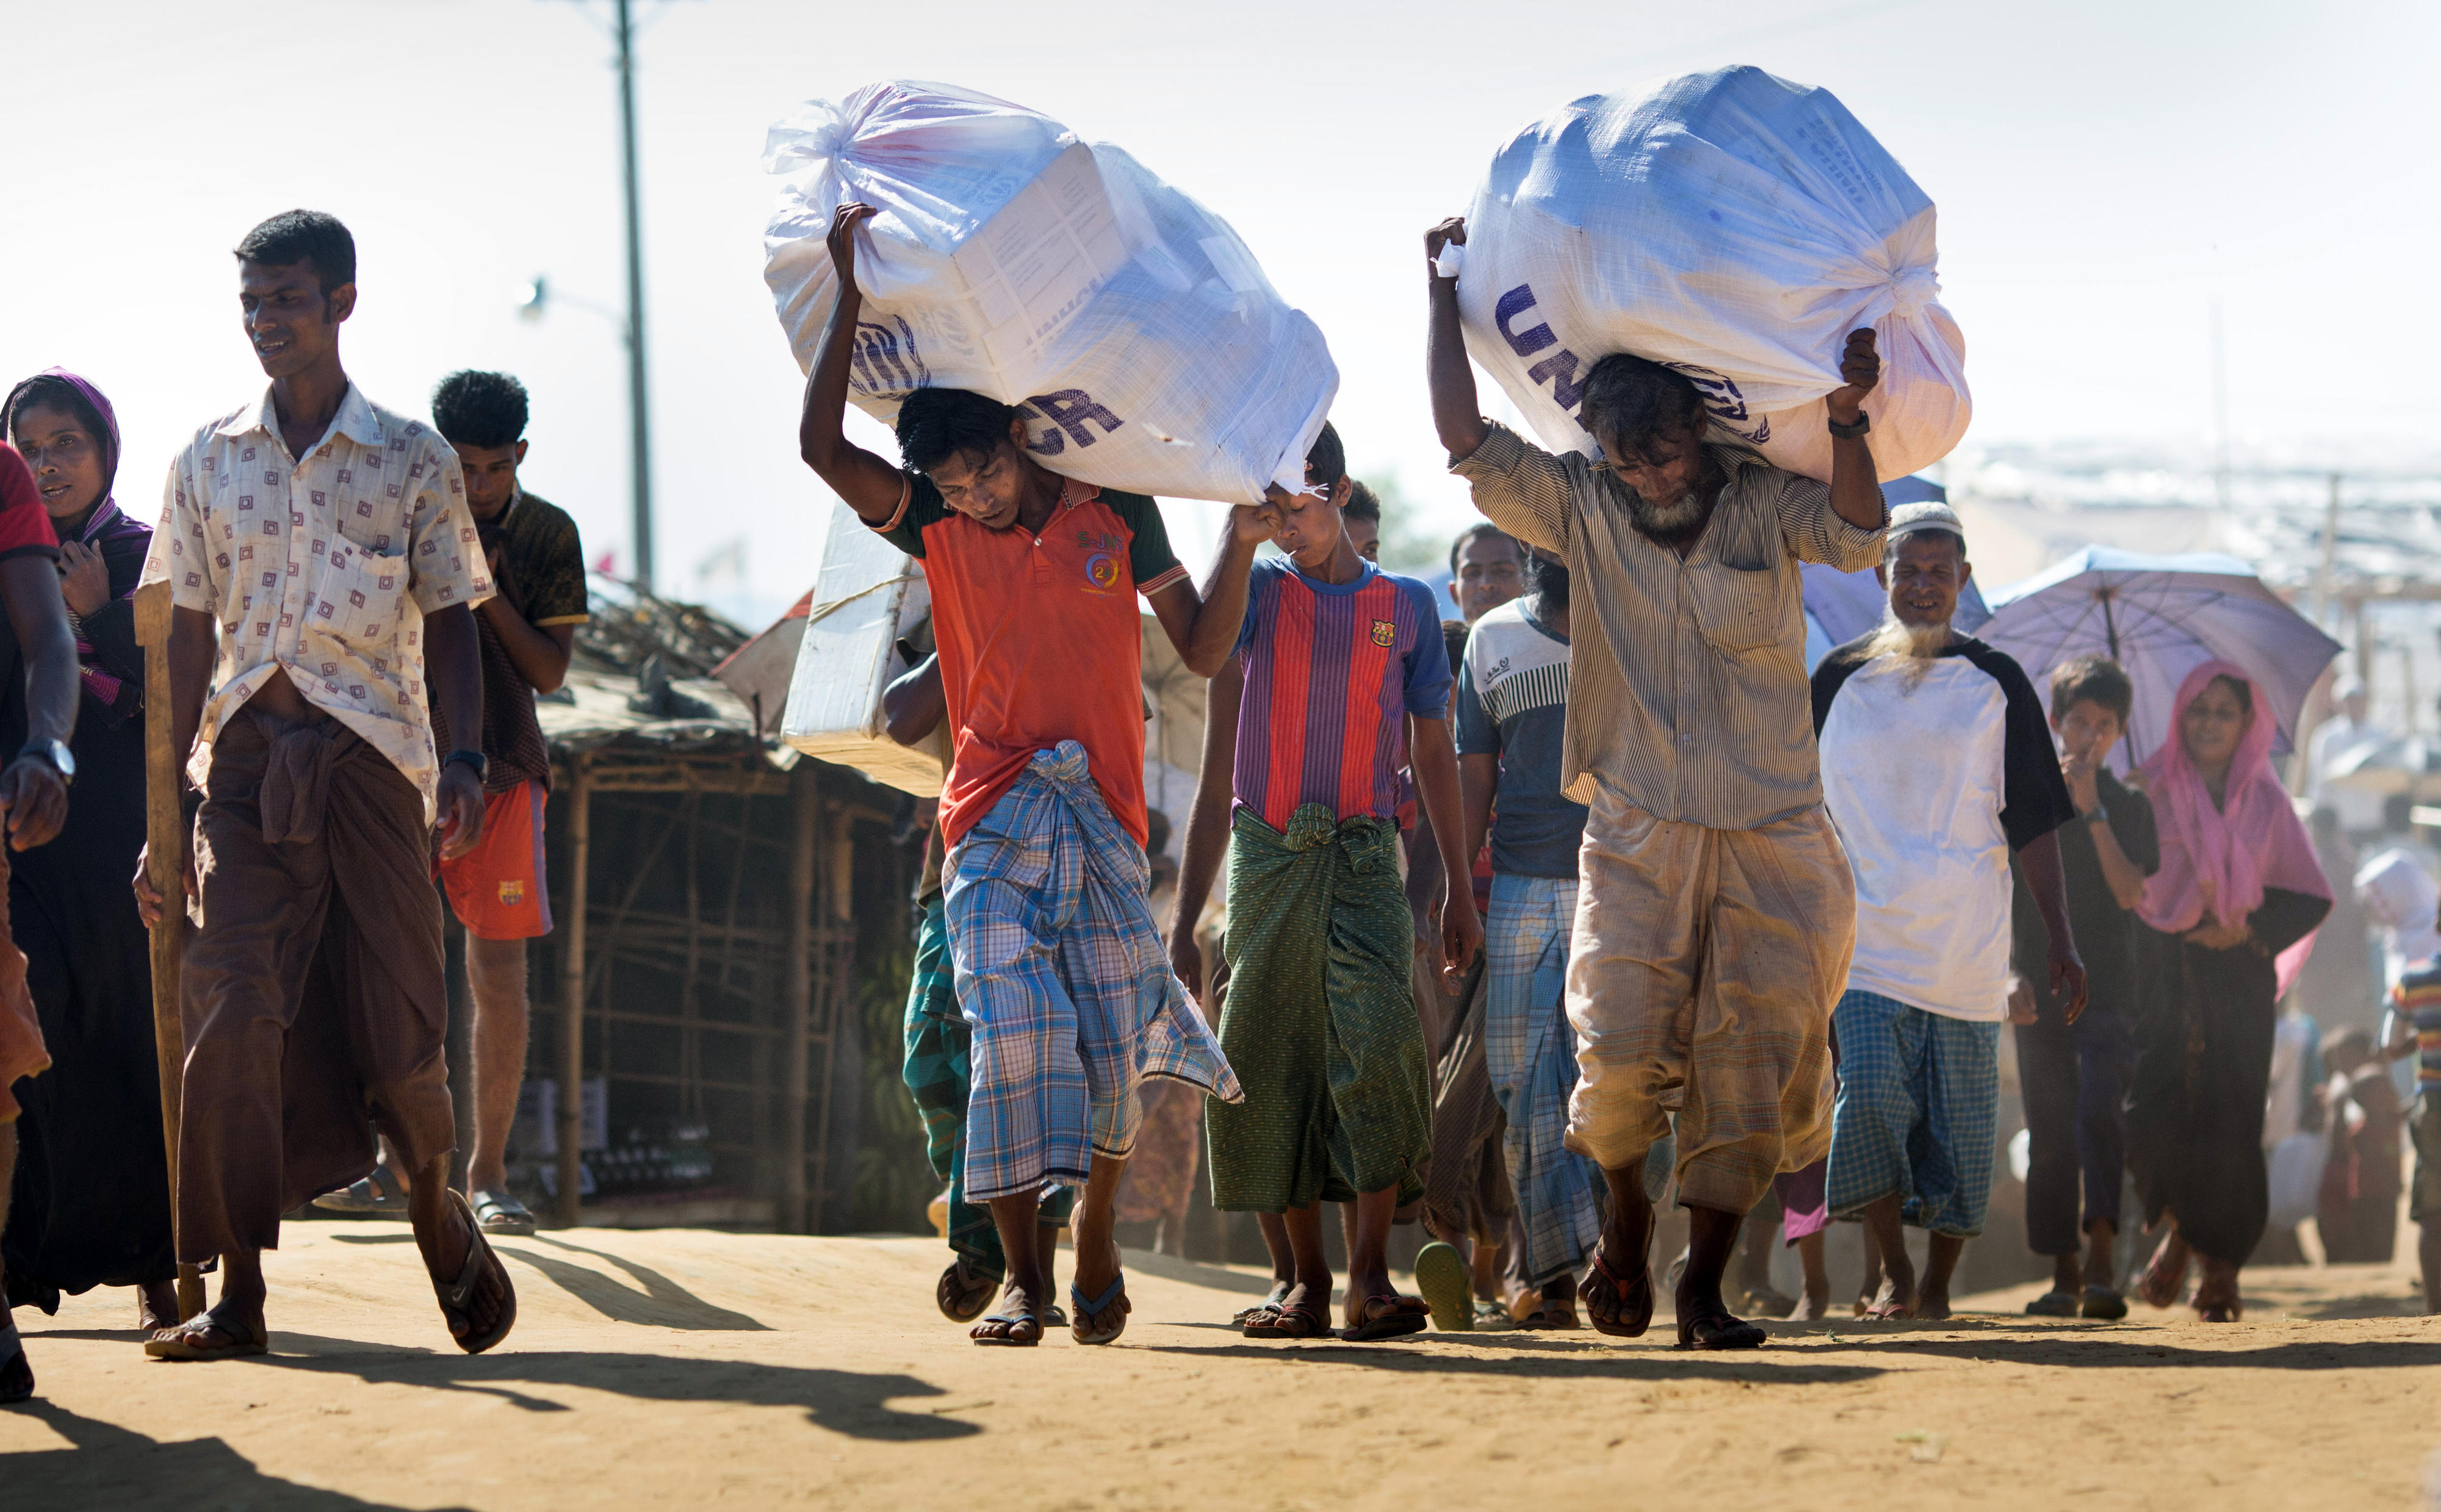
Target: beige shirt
pixel 1692 704
pixel 324 568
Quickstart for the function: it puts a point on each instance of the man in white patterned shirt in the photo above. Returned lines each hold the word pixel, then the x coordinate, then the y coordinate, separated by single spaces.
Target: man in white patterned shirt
pixel 324 543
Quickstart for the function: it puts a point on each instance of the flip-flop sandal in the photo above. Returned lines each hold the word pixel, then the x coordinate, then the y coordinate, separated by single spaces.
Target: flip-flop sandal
pixel 2053 1304
pixel 1010 1340
pixel 1054 1315
pixel 2102 1303
pixel 2156 1285
pixel 1085 1333
pixel 1448 1286
pixel 377 1195
pixel 457 1296
pixel 1389 1326
pixel 497 1212
pixel 1634 1299
pixel 1720 1330
pixel 1270 1304
pixel 16 1372
pixel 183 1341
pixel 1492 1317
pixel 1307 1320
pixel 1550 1318
pixel 959 1300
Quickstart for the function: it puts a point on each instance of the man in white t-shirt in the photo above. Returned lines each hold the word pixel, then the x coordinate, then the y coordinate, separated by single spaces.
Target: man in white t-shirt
pixel 1936 762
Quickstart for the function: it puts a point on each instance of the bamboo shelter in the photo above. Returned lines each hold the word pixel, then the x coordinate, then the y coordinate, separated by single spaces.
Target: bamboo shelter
pixel 705 888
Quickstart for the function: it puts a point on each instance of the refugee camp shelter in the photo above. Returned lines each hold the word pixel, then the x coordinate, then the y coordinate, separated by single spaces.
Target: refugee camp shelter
pixel 708 887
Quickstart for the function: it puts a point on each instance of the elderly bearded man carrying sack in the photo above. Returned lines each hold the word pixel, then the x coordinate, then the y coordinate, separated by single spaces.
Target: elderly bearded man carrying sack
pixel 1715 911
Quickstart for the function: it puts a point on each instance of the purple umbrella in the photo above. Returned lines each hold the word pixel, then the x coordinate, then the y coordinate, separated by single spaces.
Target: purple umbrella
pixel 2159 616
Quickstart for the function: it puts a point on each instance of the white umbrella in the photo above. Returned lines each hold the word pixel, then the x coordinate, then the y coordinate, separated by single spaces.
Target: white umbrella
pixel 2160 617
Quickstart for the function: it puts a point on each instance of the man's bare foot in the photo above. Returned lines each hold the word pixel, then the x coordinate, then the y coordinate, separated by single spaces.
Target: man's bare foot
pixel 1304 1312
pixel 1932 1306
pixel 2160 1281
pixel 1816 1306
pixel 1018 1320
pixel 156 1307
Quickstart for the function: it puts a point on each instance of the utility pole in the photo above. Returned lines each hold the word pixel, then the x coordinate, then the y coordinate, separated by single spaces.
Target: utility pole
pixel 639 428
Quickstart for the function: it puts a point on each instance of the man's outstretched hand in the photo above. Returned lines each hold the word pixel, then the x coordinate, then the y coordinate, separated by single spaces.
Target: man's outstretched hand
pixel 1860 368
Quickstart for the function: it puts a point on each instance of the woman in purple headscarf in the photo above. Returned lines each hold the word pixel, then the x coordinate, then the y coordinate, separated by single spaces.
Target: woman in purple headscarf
pixel 91 1201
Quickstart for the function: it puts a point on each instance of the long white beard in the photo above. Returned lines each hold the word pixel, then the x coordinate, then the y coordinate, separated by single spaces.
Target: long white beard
pixel 1916 645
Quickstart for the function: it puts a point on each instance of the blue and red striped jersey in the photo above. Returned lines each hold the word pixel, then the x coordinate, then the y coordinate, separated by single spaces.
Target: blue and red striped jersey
pixel 1333 670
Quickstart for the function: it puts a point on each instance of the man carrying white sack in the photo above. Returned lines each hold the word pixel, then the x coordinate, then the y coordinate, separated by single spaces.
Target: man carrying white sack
pixel 1715 909
pixel 1060 972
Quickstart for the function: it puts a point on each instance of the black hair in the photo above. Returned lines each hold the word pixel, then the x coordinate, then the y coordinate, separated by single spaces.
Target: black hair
pixel 304 236
pixel 1362 503
pixel 1631 403
pixel 1454 634
pixel 1482 530
pixel 1931 532
pixel 1547 577
pixel 2240 689
pixel 2096 680
pixel 55 392
pixel 484 409
pixel 1326 462
pixel 937 424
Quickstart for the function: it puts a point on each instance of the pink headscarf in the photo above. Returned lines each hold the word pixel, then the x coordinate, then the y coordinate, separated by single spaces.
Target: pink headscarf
pixel 2224 858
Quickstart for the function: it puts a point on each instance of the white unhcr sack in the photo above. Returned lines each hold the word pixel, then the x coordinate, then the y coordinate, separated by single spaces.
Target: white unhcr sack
pixel 1732 225
pixel 1131 326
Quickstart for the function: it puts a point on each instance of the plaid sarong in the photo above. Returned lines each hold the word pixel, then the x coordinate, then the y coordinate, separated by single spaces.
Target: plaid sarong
pixel 1530 1054
pixel 1064 982
pixel 1919 1097
pixel 935 1071
pixel 1320 1022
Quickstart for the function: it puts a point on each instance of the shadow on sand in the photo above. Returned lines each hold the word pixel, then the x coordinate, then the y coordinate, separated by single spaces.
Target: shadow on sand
pixel 113 1468
pixel 655 1300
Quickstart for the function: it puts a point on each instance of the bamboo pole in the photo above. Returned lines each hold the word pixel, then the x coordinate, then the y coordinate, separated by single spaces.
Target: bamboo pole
pixel 164 817
pixel 796 1080
pixel 571 993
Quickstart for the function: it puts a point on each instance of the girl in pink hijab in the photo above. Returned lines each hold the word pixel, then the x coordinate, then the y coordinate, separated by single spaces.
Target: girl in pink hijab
pixel 2226 923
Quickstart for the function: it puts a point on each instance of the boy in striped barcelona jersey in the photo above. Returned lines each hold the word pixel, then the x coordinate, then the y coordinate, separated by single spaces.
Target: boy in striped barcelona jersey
pixel 1340 669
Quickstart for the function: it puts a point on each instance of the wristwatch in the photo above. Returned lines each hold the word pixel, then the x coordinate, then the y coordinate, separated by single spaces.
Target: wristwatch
pixel 2096 815
pixel 476 759
pixel 54 751
pixel 1864 422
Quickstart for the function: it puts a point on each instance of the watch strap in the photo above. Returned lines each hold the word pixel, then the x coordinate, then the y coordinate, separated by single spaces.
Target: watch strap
pixel 1864 422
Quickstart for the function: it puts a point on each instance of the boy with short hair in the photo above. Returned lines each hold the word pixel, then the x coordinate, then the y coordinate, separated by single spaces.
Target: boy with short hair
pixel 2074 1076
pixel 1339 670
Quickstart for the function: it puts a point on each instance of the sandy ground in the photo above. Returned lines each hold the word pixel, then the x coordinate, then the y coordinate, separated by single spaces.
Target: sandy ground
pixel 675 1366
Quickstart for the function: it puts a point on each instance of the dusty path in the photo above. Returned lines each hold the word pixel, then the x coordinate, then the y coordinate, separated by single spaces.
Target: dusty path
pixel 680 1367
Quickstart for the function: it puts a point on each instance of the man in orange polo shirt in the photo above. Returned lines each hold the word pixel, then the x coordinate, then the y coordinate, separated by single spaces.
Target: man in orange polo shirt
pixel 1059 969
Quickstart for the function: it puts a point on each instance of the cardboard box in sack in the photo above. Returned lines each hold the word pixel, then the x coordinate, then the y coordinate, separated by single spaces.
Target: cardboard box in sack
pixel 868 595
pixel 1732 225
pixel 1135 332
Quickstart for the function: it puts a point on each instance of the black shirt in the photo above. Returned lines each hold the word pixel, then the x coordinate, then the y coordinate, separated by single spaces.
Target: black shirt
pixel 2106 934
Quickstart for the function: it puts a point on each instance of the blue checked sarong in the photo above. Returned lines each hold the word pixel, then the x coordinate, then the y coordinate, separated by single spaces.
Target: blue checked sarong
pixel 1532 1054
pixel 1919 1096
pixel 935 1069
pixel 1062 975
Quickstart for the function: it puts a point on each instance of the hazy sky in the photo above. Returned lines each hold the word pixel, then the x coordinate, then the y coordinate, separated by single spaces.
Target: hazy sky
pixel 2103 170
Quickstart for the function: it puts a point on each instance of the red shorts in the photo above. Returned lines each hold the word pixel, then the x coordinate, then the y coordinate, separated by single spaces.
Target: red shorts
pixel 496 888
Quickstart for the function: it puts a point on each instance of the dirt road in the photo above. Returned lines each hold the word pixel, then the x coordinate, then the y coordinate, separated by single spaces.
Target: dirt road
pixel 682 1367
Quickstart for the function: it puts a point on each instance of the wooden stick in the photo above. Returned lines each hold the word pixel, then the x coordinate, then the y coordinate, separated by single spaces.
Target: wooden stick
pixel 164 817
pixel 571 993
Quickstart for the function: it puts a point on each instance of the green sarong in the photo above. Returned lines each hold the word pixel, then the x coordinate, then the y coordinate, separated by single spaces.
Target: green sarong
pixel 935 1070
pixel 1319 1024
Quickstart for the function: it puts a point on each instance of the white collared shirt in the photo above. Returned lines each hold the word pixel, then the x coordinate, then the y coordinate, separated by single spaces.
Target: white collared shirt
pixel 323 567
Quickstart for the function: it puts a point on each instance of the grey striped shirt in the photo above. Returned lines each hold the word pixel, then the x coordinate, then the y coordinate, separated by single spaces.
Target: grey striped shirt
pixel 1691 703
